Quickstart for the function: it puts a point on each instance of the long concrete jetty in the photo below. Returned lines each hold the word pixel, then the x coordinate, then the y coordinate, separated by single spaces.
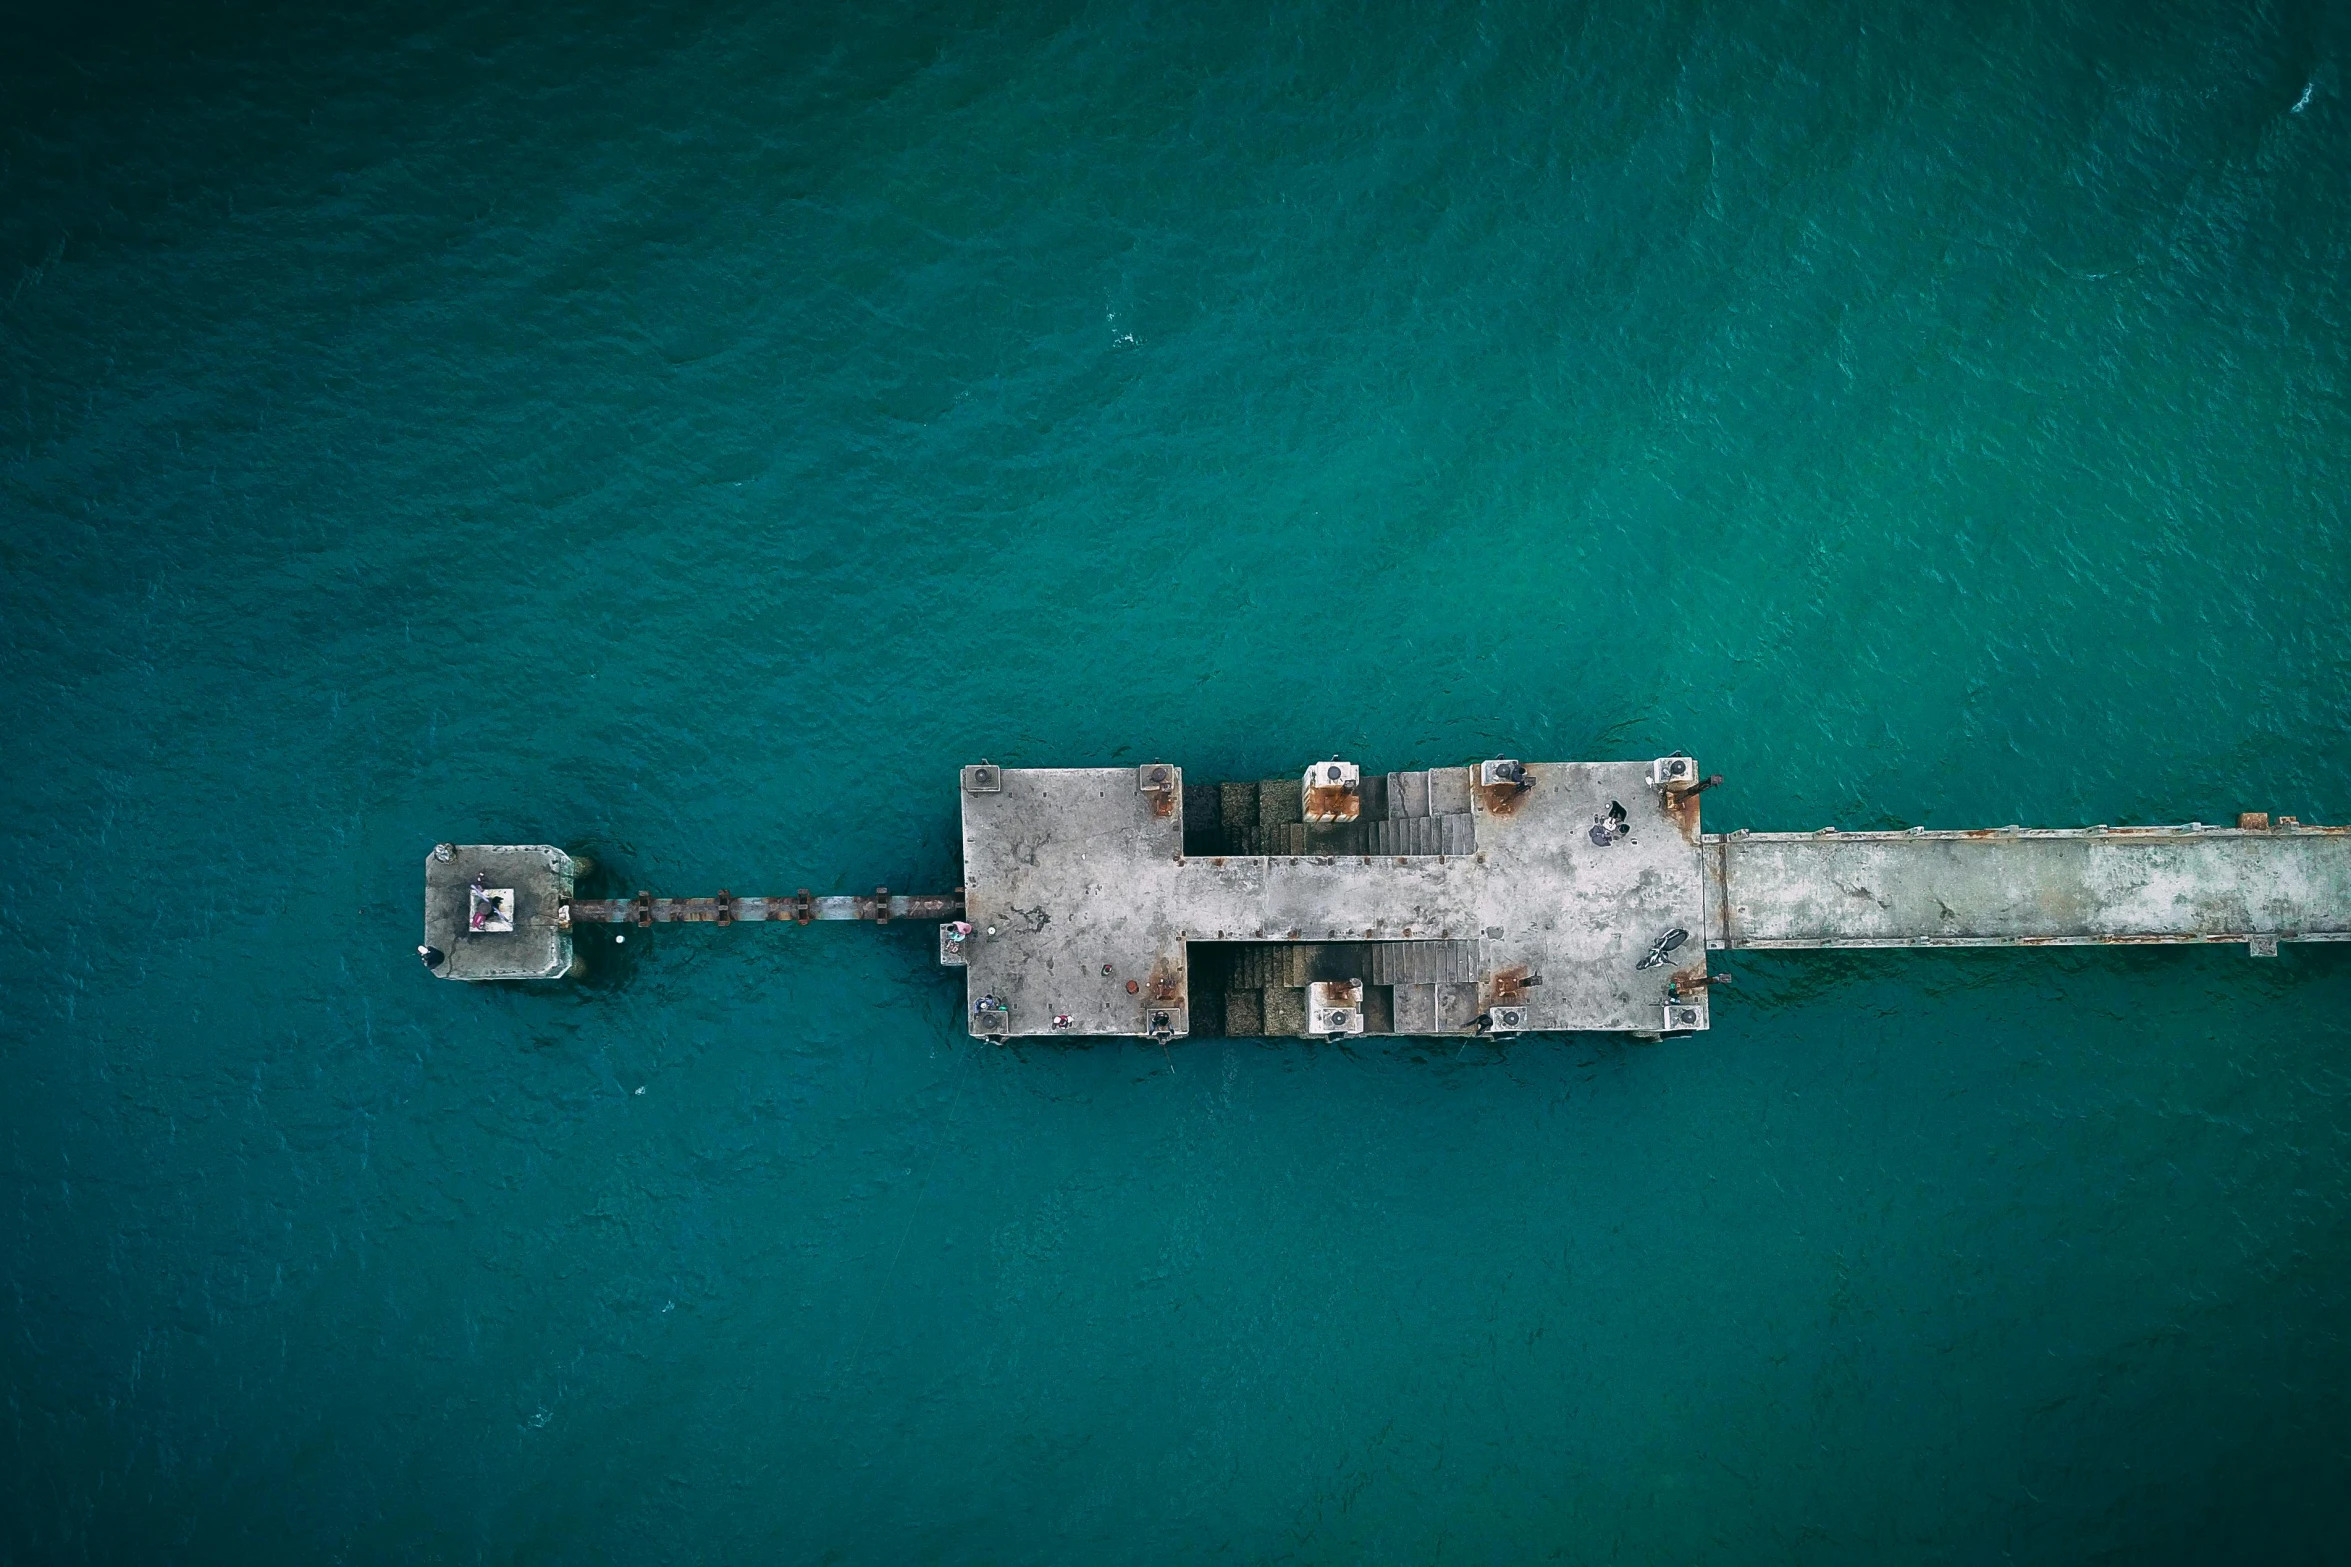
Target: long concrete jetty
pixel 2258 883
pixel 1499 898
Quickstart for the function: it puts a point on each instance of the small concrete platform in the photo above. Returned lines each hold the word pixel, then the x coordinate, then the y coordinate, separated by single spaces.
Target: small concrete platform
pixel 533 884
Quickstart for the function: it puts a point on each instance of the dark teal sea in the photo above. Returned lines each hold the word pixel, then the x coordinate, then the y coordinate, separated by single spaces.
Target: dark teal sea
pixel 686 432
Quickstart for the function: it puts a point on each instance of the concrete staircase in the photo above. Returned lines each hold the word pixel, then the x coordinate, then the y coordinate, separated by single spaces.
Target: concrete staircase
pixel 1403 814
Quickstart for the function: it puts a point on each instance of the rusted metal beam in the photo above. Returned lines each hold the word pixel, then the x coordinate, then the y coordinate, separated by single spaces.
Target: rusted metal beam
pixel 726 909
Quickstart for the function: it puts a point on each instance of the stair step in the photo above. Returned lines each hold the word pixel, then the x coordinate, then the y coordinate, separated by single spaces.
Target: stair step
pixel 1457 1006
pixel 1244 1012
pixel 1279 800
pixel 1236 812
pixel 1285 1011
pixel 1408 795
pixel 1449 791
pixel 1422 962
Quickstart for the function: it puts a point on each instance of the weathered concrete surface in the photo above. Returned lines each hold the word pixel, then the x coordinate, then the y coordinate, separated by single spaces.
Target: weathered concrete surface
pixel 1068 881
pixel 539 946
pixel 1083 902
pixel 1533 906
pixel 1582 917
pixel 2029 888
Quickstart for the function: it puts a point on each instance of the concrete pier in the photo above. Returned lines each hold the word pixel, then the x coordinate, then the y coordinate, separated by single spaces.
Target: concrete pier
pixel 2023 887
pixel 1505 898
pixel 497 911
pixel 1497 898
pixel 1084 902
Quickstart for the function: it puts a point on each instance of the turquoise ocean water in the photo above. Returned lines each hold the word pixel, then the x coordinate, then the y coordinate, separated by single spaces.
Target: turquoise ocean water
pixel 686 433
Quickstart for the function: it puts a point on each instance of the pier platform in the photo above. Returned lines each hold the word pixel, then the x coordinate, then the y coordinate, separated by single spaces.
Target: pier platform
pixel 1085 904
pixel 498 911
pixel 1496 898
pixel 2260 883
